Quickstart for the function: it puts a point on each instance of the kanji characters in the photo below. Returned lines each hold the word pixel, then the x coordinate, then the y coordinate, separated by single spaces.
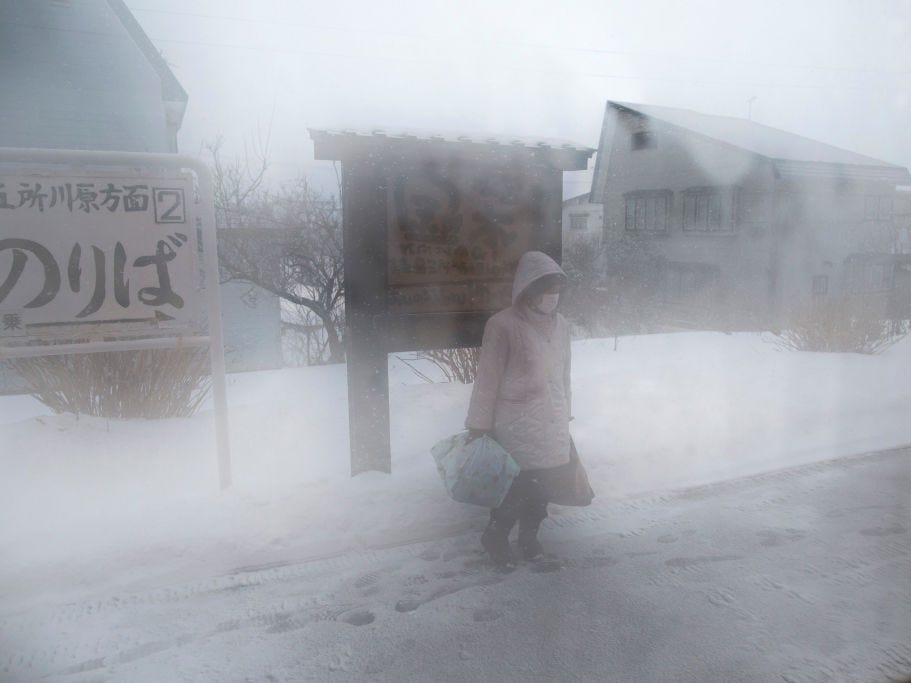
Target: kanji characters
pixel 86 197
pixel 136 198
pixel 12 321
pixel 83 196
pixel 4 201
pixel 62 194
pixel 31 195
pixel 111 197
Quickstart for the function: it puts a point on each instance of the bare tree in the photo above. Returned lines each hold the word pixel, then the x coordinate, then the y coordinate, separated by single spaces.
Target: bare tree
pixel 840 325
pixel 151 384
pixel 584 301
pixel 287 241
pixel 457 365
pixel 612 288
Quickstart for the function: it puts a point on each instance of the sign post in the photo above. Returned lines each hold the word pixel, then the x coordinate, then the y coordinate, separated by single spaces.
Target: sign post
pixel 433 229
pixel 110 251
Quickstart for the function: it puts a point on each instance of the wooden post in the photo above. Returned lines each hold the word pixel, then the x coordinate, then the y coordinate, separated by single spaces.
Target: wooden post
pixel 368 403
pixel 364 221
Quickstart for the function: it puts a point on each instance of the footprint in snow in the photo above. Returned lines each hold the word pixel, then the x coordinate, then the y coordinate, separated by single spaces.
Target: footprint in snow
pixel 775 537
pixel 416 580
pixel 454 553
pixel 408 604
pixel 595 561
pixel 688 562
pixel 360 617
pixel 546 566
pixel 367 580
pixel 486 614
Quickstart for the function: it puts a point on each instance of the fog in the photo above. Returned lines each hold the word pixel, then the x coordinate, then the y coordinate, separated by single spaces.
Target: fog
pixel 751 477
pixel 261 73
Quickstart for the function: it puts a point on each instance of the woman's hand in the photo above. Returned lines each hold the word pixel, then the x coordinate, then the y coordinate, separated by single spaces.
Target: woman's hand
pixel 476 434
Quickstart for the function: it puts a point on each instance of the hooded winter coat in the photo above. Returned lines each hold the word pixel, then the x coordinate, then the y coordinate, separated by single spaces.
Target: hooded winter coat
pixel 522 389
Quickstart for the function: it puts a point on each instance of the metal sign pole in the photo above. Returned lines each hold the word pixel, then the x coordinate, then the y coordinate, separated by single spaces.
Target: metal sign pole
pixel 216 340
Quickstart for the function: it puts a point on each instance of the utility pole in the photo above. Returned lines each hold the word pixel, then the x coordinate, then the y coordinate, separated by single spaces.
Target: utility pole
pixel 750 101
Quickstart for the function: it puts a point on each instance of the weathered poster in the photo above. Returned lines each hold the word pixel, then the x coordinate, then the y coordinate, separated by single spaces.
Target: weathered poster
pixel 83 250
pixel 456 232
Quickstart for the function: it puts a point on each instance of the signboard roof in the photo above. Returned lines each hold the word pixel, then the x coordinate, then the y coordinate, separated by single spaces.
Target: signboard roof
pixel 340 143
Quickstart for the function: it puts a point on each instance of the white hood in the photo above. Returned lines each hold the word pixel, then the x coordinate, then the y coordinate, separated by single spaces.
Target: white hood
pixel 533 266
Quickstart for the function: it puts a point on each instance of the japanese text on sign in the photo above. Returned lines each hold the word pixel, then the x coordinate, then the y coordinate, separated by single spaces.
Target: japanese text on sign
pixel 451 231
pixel 167 203
pixel 96 250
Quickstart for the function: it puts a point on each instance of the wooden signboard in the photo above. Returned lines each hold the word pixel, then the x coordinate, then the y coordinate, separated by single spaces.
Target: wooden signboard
pixel 433 229
pixel 455 233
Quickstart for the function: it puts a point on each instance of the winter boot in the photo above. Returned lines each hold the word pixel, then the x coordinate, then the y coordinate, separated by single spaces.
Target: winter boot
pixel 495 541
pixel 528 539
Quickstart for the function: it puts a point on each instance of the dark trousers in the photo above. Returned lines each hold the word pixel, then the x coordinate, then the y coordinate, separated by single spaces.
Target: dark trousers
pixel 525 502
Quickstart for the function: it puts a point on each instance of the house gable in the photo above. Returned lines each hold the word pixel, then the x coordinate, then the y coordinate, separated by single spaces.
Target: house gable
pixel 84 76
pixel 648 189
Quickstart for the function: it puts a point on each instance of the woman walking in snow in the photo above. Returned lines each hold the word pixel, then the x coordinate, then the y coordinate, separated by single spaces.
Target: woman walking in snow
pixel 521 398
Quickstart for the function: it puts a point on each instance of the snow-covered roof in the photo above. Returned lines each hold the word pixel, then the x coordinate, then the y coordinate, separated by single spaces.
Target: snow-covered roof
pixel 453 136
pixel 755 137
pixel 171 89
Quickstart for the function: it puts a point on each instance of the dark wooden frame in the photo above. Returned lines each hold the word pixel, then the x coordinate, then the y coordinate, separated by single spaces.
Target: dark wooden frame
pixel 372 331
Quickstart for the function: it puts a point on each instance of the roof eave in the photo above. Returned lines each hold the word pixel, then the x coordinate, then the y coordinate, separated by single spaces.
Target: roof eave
pixel 818 169
pixel 350 144
pixel 788 166
pixel 171 89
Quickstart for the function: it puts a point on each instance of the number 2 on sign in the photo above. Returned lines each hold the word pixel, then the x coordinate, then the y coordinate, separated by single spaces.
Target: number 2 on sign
pixel 169 205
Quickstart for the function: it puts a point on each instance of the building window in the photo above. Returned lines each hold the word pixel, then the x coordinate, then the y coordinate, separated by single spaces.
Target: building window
pixel 877 208
pixel 878 277
pixel 578 221
pixel 647 211
pixel 643 139
pixel 820 285
pixel 870 276
pixel 703 212
pixel 752 208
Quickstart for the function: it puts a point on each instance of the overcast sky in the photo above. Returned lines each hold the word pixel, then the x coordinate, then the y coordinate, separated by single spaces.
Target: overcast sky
pixel 835 70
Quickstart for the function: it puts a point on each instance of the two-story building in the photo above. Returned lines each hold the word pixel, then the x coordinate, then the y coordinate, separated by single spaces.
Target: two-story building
pixel 731 223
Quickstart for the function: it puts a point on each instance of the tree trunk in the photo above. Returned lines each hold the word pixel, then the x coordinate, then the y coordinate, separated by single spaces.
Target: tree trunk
pixel 336 350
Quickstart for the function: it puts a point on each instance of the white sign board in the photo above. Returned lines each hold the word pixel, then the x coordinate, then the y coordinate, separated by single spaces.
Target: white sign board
pixel 110 251
pixel 97 248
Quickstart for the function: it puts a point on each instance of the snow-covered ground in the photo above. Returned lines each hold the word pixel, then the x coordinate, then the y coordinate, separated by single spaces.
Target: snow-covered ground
pixel 92 508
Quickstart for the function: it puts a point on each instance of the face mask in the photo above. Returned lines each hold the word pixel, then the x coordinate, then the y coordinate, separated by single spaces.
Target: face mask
pixel 548 303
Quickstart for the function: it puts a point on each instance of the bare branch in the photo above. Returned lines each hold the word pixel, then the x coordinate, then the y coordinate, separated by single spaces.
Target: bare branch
pixel 287 240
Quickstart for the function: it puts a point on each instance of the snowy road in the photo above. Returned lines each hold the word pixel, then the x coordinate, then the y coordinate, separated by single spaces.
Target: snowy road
pixel 800 575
